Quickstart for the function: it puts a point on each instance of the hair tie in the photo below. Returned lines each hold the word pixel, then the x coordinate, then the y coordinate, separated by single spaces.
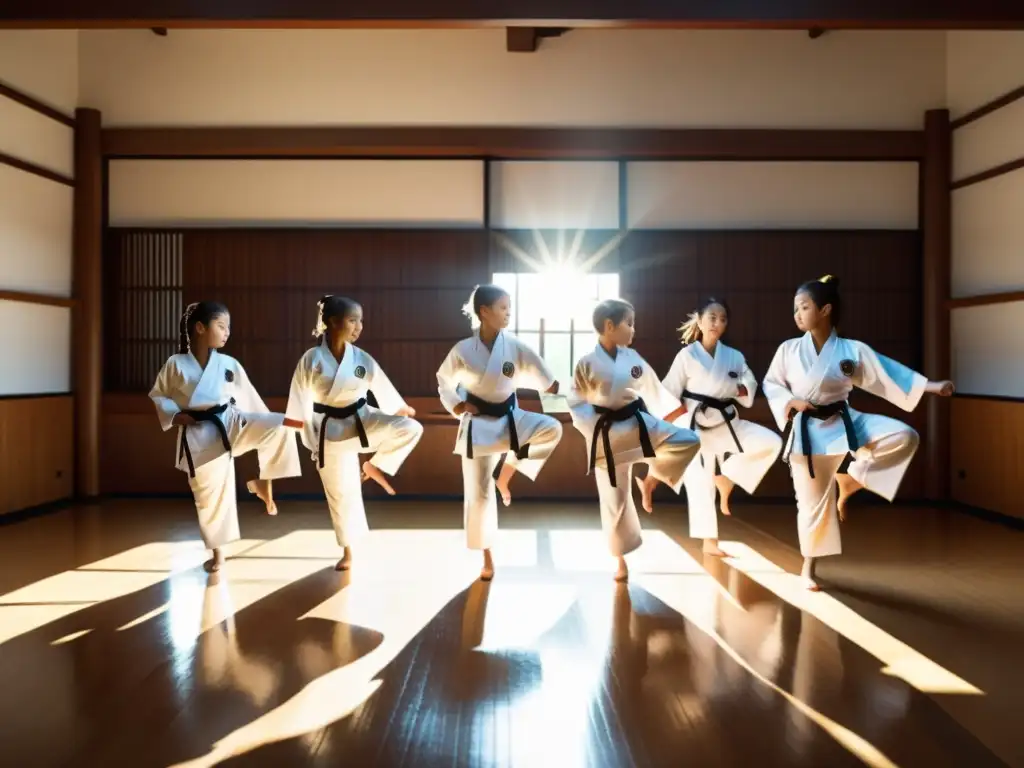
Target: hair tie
pixel 826 279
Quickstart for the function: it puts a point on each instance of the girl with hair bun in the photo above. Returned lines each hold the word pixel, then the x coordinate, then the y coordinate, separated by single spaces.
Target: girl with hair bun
pixel 219 415
pixel 828 443
pixel 349 407
pixel 713 380
pixel 477 383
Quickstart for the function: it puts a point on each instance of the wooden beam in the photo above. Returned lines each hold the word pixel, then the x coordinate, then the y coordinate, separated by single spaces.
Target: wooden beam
pixel 513 143
pixel 521 39
pixel 987 109
pixel 936 279
pixel 985 299
pixel 37 170
pixel 37 298
pixel 782 14
pixel 34 104
pixel 989 173
pixel 88 317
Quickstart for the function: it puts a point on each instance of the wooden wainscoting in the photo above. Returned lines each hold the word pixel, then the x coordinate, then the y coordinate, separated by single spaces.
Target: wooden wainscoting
pixel 987 454
pixel 36 450
pixel 138 457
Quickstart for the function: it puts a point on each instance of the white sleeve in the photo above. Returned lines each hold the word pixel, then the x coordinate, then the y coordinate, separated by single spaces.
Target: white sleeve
pixel 451 393
pixel 659 401
pixel 888 379
pixel 300 404
pixel 160 394
pixel 533 371
pixel 675 379
pixel 776 387
pixel 748 380
pixel 248 399
pixel 388 399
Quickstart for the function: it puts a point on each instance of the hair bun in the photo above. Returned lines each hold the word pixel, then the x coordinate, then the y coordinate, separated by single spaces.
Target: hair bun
pixel 829 279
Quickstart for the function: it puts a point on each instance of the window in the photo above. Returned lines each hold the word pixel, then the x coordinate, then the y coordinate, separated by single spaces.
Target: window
pixel 552 312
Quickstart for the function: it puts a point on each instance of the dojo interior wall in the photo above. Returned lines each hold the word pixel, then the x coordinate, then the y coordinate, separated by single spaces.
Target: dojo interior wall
pixel 410 238
pixel 36 409
pixel 988 258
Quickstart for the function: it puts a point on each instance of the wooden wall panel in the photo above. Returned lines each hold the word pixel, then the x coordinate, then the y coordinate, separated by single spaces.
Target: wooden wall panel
pixel 988 453
pixel 36 451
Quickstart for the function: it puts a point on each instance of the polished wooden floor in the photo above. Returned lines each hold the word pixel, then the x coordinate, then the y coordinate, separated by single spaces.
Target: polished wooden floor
pixel 116 649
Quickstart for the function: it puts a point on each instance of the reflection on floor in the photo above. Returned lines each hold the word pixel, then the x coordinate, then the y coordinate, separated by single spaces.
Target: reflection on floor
pixel 116 649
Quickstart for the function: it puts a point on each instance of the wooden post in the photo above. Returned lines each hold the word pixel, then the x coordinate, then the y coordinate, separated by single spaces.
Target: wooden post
pixel 87 314
pixel 936 176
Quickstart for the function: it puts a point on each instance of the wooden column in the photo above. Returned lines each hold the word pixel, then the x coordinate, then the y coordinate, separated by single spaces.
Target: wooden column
pixel 87 314
pixel 936 176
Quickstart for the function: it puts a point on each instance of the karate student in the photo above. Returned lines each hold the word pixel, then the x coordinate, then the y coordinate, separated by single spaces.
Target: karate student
pixel 477 383
pixel 219 415
pixel 713 380
pixel 625 414
pixel 349 407
pixel 828 443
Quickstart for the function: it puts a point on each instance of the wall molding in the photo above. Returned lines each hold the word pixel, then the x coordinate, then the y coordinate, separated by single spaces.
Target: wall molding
pixel 996 398
pixel 990 173
pixel 37 298
pixel 987 109
pixel 984 299
pixel 34 104
pixel 479 143
pixel 36 170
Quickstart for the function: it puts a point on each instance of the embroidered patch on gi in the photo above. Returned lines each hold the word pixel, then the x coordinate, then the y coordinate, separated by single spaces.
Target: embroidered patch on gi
pixel 229 376
pixel 508 369
pixel 733 375
pixel 636 371
pixel 242 421
pixel 360 372
pixel 847 367
pixel 232 401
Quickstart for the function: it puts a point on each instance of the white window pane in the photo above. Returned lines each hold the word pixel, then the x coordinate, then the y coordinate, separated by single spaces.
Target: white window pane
pixel 531 303
pixel 558 355
pixel 608 286
pixel 582 343
pixel 532 340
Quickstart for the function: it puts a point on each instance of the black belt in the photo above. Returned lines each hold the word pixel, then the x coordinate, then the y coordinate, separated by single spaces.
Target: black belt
pixel 211 415
pixel 332 412
pixel 609 416
pixel 713 403
pixel 823 413
pixel 505 408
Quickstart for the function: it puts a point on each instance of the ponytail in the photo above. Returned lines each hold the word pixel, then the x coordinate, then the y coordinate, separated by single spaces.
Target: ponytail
pixel 823 292
pixel 689 331
pixel 482 296
pixel 329 306
pixel 198 312
pixel 184 342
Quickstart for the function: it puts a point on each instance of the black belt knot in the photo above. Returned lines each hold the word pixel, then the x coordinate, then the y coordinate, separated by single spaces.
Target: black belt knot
pixel 348 411
pixel 822 413
pixel 505 408
pixel 609 416
pixel 211 415
pixel 713 403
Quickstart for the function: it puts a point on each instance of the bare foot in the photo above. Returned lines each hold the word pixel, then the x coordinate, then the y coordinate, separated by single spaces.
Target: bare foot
pixel 807 574
pixel 711 548
pixel 487 572
pixel 646 487
pixel 214 563
pixel 502 480
pixel 847 487
pixel 264 491
pixel 725 486
pixel 372 473
pixel 346 560
pixel 622 574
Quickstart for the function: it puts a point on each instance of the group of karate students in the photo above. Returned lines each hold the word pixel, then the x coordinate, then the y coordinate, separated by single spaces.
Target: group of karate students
pixel 686 427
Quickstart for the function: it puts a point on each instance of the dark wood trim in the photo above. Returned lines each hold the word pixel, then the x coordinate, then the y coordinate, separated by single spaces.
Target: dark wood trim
pixel 936 274
pixel 87 329
pixel 984 299
pixel 783 14
pixel 35 396
pixel 36 170
pixel 991 173
pixel 987 109
pixel 37 298
pixel 34 104
pixel 997 398
pixel 514 143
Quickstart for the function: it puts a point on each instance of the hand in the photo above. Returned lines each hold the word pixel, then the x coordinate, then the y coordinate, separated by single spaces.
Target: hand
pixel 469 408
pixel 182 420
pixel 553 389
pixel 945 388
pixel 794 406
pixel 406 410
pixel 741 391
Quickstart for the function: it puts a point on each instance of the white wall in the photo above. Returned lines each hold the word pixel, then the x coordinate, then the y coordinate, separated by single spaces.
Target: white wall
pixel 36 213
pixel 588 77
pixel 987 217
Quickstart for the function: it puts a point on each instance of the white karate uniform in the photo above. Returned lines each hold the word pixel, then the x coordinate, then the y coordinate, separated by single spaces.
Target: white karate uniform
pixel 744 455
pixel 494 375
pixel 183 385
pixel 603 382
pixel 320 378
pixel 884 446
